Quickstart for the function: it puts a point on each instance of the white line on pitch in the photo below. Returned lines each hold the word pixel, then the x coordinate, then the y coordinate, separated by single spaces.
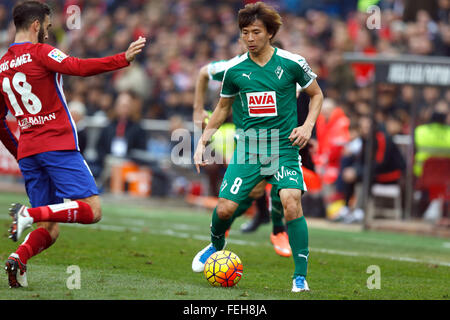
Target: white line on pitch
pixel 177 234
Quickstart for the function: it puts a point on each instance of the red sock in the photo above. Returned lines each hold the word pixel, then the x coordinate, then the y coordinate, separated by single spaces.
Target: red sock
pixel 35 242
pixel 68 212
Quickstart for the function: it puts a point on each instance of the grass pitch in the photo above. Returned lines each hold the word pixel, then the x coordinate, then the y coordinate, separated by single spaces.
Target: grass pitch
pixel 145 252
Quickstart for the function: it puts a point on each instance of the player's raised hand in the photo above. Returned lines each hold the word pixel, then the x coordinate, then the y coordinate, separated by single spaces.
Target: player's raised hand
pixel 135 48
pixel 198 156
pixel 300 136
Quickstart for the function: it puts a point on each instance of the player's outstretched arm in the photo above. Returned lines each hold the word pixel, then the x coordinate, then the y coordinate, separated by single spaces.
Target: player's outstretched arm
pixel 301 135
pixel 57 61
pixel 218 117
pixel 201 85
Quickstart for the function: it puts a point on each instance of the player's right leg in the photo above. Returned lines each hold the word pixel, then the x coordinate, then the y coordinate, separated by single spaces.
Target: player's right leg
pixel 298 236
pixel 221 222
pixel 290 184
pixel 239 180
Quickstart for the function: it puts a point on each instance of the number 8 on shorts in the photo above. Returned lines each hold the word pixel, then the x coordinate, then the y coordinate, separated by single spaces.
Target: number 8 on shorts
pixel 236 185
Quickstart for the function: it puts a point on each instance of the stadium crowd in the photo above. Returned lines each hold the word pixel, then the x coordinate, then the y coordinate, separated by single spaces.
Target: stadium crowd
pixel 184 35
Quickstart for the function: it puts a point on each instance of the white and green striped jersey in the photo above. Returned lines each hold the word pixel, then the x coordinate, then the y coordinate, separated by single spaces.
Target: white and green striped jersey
pixel 267 94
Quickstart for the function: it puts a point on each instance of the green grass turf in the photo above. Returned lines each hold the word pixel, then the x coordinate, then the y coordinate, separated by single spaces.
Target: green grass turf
pixel 139 252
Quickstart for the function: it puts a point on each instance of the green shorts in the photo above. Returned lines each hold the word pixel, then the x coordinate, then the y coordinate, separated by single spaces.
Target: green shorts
pixel 244 172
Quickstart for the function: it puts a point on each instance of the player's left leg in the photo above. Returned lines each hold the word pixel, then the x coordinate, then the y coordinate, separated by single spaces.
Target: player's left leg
pixel 290 184
pixel 298 236
pixel 262 214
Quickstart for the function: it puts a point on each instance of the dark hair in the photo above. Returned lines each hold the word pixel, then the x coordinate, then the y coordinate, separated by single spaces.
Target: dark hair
pixel 260 11
pixel 25 13
pixel 438 117
pixel 278 44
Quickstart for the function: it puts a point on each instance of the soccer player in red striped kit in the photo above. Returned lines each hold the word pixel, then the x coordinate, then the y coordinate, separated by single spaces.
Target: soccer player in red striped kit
pixel 47 150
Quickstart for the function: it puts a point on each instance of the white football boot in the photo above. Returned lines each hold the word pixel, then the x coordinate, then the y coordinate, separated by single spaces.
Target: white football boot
pixel 299 284
pixel 21 221
pixel 198 264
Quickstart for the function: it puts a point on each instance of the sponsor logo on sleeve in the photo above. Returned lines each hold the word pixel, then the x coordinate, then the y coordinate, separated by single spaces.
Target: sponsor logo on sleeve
pixel 57 55
pixel 305 66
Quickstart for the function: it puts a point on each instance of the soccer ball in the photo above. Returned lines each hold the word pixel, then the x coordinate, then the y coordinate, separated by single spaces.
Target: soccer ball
pixel 223 269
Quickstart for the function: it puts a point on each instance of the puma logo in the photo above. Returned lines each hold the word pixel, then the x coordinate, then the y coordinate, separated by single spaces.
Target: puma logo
pixel 296 180
pixel 303 256
pixel 247 75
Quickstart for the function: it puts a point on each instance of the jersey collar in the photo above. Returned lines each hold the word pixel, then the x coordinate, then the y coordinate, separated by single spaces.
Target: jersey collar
pixel 16 43
pixel 268 62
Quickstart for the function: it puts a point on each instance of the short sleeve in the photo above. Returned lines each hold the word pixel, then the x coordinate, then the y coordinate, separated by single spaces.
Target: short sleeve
pixel 229 88
pixel 216 70
pixel 305 76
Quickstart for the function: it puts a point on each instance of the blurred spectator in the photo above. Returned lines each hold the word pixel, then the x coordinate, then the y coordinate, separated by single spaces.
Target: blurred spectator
pixel 134 78
pixel 340 75
pixel 123 133
pixel 350 153
pixel 394 125
pixel 388 167
pixel 406 98
pixel 77 110
pixel 413 7
pixel 331 133
pixel 432 139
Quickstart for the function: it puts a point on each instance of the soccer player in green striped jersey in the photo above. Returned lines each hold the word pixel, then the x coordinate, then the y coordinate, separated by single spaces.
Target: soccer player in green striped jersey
pixel 264 81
